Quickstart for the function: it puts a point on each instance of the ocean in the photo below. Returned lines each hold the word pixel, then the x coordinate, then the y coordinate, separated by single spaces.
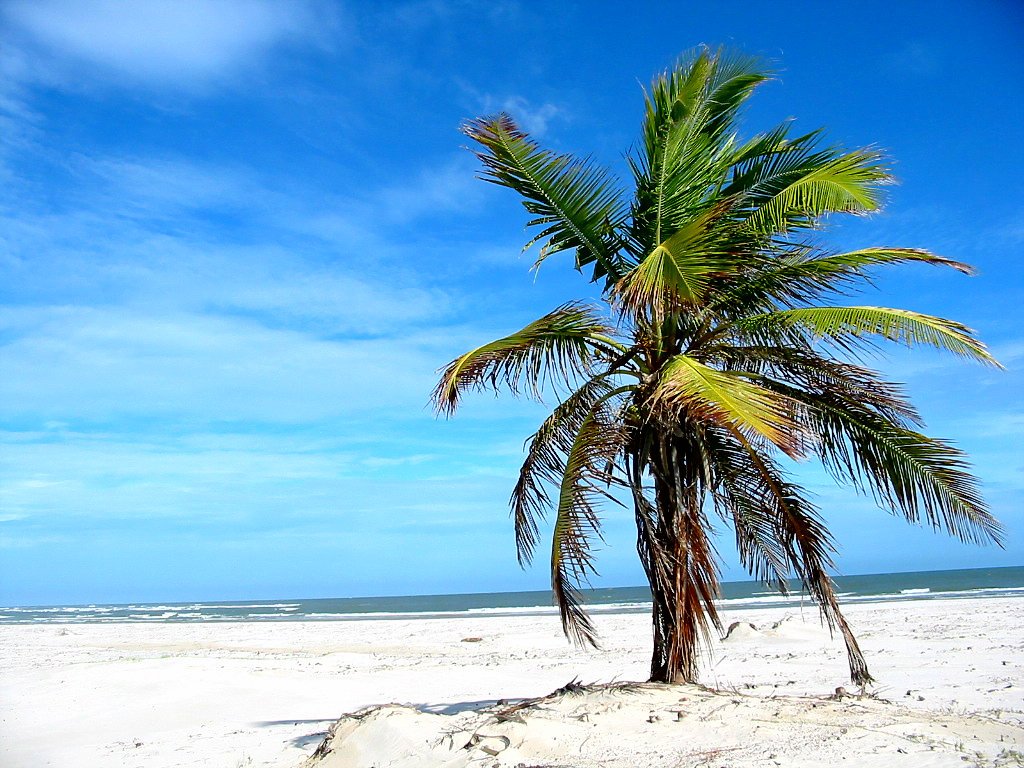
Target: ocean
pixel 878 587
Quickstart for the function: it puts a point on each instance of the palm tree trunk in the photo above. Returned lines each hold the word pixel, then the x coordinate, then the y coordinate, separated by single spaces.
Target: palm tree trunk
pixel 682 575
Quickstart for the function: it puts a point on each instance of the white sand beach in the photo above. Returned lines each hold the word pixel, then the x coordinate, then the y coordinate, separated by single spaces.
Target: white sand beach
pixel 950 691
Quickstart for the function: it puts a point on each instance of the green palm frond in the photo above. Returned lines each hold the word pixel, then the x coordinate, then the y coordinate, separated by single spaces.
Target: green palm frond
pixel 794 189
pixel 685 153
pixel 728 398
pixel 672 185
pixel 912 474
pixel 842 325
pixel 795 371
pixel 715 83
pixel 584 485
pixel 577 204
pixel 676 272
pixel 750 158
pixel 741 495
pixel 732 82
pixel 558 348
pixel 801 277
pixel 546 460
pixel 809 548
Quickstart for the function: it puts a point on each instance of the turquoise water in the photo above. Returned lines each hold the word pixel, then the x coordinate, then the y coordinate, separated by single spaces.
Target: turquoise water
pixel 879 587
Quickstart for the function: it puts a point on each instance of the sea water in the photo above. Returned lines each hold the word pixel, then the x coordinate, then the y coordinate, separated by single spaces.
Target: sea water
pixel 878 587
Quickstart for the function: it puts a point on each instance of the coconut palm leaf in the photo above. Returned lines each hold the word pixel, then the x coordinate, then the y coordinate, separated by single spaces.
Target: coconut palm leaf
pixel 809 548
pixel 577 204
pixel 684 154
pixel 912 474
pixel 728 398
pixel 740 495
pixel 794 370
pixel 704 83
pixel 803 277
pixel 677 271
pixel 732 82
pixel 558 348
pixel 546 459
pixel 696 572
pixel 583 487
pixel 844 324
pixel 672 185
pixel 751 158
pixel 794 189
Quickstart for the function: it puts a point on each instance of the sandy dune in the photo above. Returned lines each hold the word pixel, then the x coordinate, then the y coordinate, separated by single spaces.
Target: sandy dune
pixel 648 725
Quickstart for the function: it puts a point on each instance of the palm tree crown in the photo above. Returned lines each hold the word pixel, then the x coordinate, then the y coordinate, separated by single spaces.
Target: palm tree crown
pixel 717 356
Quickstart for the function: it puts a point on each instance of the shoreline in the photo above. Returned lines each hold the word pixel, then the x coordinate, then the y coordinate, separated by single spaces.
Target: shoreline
pixel 235 694
pixel 963 583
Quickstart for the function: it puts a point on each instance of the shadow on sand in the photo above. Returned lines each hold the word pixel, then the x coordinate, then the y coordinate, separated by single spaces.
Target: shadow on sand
pixel 307 740
pixel 435 708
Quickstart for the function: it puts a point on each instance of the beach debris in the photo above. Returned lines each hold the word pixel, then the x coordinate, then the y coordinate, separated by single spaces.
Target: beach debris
pixel 471 640
pixel 573 686
pixel 739 629
pixel 509 716
pixel 489 745
pixel 321 751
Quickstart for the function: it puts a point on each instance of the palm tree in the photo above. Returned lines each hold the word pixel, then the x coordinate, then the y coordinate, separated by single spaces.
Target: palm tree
pixel 716 360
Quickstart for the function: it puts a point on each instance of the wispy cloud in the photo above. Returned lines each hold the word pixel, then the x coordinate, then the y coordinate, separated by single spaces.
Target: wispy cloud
pixel 165 187
pixel 162 42
pixel 430 191
pixel 120 362
pixel 534 118
pixel 266 335
pixel 1010 352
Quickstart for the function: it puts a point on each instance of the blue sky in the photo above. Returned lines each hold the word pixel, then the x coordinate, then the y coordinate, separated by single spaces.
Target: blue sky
pixel 237 240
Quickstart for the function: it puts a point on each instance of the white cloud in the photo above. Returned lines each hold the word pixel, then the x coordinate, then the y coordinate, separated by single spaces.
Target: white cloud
pixel 164 41
pixel 375 462
pixel 136 233
pixel 1009 353
pixel 443 188
pixel 163 187
pixel 266 480
pixel 104 363
pixel 19 123
pixel 10 518
pixel 534 118
pixel 92 260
